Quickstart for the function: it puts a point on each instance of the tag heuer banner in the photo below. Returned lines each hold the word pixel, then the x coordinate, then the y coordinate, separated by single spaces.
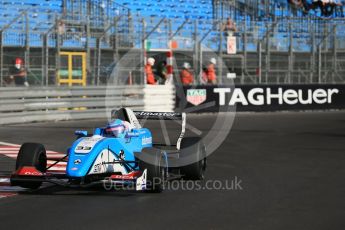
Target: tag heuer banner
pixel 260 98
pixel 196 96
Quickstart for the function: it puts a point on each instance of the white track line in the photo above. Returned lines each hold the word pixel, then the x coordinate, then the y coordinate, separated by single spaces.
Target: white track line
pixel 12 155
pixel 5 180
pixel 9 149
pixel 9 144
pixel 4 150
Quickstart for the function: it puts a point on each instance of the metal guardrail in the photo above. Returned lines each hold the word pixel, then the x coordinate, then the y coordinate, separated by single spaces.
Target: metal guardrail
pixel 21 105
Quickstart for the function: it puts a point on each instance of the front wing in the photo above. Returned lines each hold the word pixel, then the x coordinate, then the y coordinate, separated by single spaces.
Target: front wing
pixel 134 179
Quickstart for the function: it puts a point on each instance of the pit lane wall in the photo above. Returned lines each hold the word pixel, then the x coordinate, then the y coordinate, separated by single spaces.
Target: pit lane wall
pixel 258 98
pixel 34 104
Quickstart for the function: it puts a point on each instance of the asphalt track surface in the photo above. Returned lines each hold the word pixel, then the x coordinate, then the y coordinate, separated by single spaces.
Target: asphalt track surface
pixel 291 166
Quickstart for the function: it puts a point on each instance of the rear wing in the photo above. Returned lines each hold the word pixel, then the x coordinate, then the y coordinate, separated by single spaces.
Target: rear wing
pixel 159 115
pixel 179 118
pixel 168 131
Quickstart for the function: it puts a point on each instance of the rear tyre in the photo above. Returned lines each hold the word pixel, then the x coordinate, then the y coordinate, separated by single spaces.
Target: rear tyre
pixel 154 162
pixel 193 147
pixel 32 155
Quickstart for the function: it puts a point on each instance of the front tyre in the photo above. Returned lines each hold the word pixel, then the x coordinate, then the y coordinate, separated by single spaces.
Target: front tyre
pixel 154 161
pixel 32 155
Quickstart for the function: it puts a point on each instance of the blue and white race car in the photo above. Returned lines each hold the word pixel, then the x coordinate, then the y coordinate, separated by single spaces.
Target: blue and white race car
pixel 121 154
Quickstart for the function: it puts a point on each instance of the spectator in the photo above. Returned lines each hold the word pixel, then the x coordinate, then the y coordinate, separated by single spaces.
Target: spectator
pixel 313 4
pixel 150 78
pixel 18 73
pixel 299 4
pixel 339 8
pixel 186 75
pixel 211 72
pixel 328 8
pixel 306 6
pixel 322 5
pixel 295 5
pixel 229 27
pixel 333 6
pixel 162 72
pixel 61 29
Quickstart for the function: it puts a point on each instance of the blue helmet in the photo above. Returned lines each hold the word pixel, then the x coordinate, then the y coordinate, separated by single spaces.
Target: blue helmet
pixel 115 128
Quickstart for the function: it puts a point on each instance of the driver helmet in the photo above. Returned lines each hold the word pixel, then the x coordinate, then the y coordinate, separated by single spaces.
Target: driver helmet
pixel 116 128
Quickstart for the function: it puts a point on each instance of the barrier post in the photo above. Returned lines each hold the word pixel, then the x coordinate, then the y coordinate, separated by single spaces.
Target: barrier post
pixel 130 79
pixel 170 70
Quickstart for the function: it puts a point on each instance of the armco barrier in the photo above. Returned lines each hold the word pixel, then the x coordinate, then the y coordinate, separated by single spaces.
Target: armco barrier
pixel 260 98
pixel 21 105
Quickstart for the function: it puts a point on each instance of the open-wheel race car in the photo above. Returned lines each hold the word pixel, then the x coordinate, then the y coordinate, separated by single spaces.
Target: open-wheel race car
pixel 122 154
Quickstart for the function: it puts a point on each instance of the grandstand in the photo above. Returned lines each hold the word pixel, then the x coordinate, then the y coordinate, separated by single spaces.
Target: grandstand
pixel 275 42
pixel 193 9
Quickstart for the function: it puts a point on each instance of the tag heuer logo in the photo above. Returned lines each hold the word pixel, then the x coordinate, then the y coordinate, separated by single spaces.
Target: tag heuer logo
pixel 196 96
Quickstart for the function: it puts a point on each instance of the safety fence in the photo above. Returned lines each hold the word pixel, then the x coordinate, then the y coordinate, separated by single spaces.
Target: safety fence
pixel 22 105
pixel 284 50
